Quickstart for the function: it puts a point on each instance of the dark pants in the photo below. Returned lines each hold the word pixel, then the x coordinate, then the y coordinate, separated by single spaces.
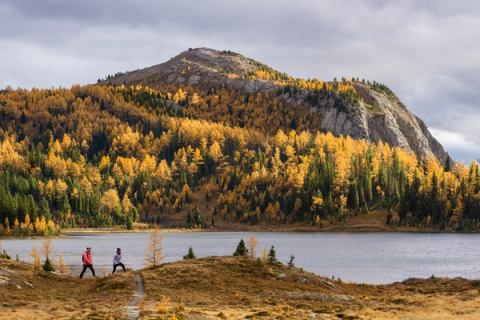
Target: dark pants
pixel 116 265
pixel 85 267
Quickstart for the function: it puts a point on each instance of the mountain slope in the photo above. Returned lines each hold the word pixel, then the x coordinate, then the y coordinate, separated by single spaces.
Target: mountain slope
pixel 354 108
pixel 103 155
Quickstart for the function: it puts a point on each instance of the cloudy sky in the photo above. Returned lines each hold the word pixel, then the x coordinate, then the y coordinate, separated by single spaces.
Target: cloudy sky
pixel 428 52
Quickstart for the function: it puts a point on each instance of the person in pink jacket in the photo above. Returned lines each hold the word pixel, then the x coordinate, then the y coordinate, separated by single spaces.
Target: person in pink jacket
pixel 87 262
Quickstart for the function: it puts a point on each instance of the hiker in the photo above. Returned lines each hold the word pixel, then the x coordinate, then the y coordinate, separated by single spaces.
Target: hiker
pixel 117 261
pixel 87 262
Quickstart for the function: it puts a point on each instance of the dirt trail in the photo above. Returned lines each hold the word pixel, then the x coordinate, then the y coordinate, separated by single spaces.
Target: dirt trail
pixel 132 311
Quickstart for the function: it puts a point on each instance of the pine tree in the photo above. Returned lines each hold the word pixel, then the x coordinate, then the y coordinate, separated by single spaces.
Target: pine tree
pixel 190 255
pixel 272 256
pixel 47 250
pixel 241 249
pixel 48 266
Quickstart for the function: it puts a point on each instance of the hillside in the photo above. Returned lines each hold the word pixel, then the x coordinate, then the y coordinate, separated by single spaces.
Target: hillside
pixel 98 156
pixel 229 288
pixel 224 82
pixel 241 288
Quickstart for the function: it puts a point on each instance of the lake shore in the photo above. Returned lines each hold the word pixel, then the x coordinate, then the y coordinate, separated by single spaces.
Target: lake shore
pixel 372 222
pixel 229 288
pixel 240 228
pixel 364 223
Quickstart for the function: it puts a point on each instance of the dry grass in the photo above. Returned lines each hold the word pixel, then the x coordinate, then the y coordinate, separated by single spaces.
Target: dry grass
pixel 163 305
pixel 36 265
pixel 49 296
pixel 239 288
pixel 231 288
pixel 61 266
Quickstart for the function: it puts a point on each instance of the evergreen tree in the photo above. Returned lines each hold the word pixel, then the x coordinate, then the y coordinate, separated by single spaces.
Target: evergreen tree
pixel 272 256
pixel 48 265
pixel 241 249
pixel 190 255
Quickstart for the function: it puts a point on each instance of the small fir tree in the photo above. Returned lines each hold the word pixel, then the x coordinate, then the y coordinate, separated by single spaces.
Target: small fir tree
pixel 48 266
pixel 241 249
pixel 190 255
pixel 47 250
pixel 272 255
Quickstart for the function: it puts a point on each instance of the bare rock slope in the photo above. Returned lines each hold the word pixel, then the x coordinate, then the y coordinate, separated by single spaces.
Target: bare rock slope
pixel 377 115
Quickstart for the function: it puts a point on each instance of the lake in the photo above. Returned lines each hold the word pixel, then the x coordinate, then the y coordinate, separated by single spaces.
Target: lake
pixel 359 257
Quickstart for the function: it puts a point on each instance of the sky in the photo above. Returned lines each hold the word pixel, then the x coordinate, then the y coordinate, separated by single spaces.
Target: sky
pixel 428 52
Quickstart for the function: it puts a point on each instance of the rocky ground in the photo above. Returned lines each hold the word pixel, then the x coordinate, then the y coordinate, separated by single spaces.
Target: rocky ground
pixel 229 288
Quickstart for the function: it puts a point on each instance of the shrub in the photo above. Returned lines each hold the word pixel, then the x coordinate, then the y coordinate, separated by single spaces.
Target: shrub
pixel 163 306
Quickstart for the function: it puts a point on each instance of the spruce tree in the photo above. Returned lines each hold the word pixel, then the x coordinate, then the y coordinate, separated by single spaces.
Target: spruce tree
pixel 48 266
pixel 190 255
pixel 129 223
pixel 241 249
pixel 272 256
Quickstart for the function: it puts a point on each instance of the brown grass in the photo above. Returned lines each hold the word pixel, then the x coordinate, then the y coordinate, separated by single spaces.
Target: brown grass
pixel 231 288
pixel 49 296
pixel 239 288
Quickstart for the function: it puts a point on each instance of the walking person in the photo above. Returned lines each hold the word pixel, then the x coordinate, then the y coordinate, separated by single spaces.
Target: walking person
pixel 117 261
pixel 87 262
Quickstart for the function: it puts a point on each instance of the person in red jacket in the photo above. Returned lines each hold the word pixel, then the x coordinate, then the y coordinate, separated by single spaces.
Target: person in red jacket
pixel 87 262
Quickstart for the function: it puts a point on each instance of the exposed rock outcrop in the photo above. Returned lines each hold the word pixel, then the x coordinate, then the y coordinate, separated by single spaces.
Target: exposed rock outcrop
pixel 377 116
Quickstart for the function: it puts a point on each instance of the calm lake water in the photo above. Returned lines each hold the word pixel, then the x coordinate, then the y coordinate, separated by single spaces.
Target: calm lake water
pixel 358 257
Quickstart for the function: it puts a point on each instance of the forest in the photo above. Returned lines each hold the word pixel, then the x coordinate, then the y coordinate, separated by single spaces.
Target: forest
pixel 101 155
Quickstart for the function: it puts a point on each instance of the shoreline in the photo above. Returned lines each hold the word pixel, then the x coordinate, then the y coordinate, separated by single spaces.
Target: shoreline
pixel 73 275
pixel 252 229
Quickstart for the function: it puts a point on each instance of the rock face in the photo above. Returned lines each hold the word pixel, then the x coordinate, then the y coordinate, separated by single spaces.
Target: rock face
pixel 377 116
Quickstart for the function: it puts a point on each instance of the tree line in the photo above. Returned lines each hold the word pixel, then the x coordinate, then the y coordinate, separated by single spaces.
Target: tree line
pixel 103 155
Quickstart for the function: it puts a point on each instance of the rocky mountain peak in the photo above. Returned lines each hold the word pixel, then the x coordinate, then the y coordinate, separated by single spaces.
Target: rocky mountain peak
pixel 217 61
pixel 375 113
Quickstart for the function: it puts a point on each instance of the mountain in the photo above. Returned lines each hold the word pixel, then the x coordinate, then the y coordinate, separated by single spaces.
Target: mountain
pixel 356 108
pixel 206 140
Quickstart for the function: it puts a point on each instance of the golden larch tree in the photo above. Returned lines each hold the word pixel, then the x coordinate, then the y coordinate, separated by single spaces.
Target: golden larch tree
pixel 154 253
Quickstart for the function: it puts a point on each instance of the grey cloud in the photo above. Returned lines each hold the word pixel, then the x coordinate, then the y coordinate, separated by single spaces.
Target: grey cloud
pixel 427 51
